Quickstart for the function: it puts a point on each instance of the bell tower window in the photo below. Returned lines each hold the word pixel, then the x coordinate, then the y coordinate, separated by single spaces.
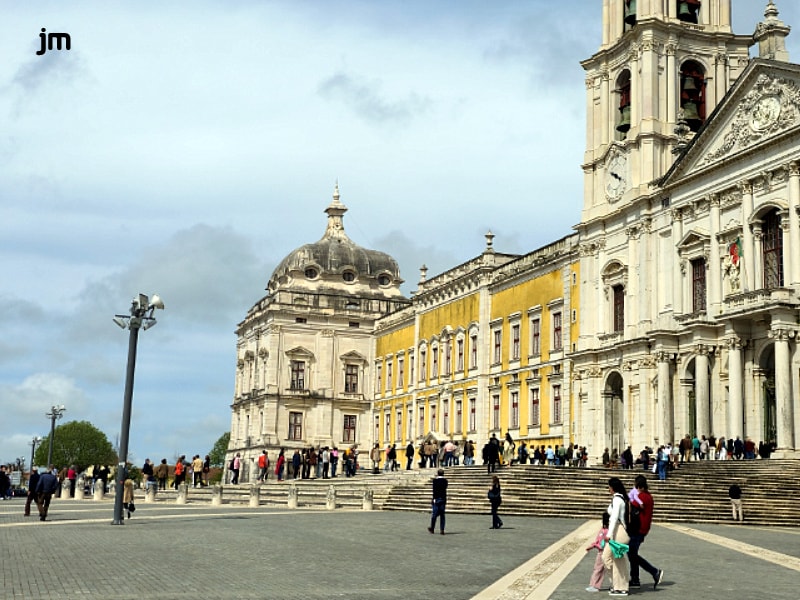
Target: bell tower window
pixel 688 10
pixel 624 91
pixel 693 94
pixel 772 249
pixel 629 18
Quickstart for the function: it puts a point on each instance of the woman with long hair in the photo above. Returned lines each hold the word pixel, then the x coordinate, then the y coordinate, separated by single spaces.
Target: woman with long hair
pixel 618 512
pixel 495 500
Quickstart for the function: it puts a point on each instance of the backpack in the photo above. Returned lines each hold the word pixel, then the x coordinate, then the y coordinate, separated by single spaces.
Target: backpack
pixel 230 466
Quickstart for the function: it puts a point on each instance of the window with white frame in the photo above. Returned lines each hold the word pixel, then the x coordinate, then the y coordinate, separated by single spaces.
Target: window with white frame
pixel 460 355
pixel 514 416
pixel 536 336
pixel 351 379
pixel 410 369
pixel 497 345
pixel 389 375
pixel 515 341
pixel 473 351
pixel 410 424
pixel 349 429
pixel 423 364
pixel 473 417
pixel 557 343
pixel 387 426
pixel 496 411
pixel 446 417
pixel 459 417
pixel 298 375
pixel 421 420
pixel 295 426
pixel 556 404
pixel 535 415
pixel 448 364
pixel 378 377
pixel 434 362
pixel 400 372
pixel 399 426
pixel 377 427
pixel 433 416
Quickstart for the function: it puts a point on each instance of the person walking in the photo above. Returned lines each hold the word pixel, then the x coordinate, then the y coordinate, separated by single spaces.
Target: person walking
pixel 735 494
pixel 263 465
pixel 495 499
pixel 33 481
pixel 147 474
pixel 492 455
pixel 279 465
pixel 618 512
pixel 439 502
pixel 599 570
pixel 127 496
pixel 48 484
pixel 197 471
pixel 236 465
pixel 409 455
pixel 641 507
pixel 161 473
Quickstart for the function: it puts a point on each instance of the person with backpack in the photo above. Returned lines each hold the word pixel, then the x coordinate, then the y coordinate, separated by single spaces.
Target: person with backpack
pixel 639 521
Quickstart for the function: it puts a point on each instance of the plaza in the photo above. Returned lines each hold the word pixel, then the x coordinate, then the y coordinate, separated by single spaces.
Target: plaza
pixel 194 550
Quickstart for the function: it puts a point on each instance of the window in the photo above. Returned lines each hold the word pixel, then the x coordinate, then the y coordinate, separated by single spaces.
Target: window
pixel 311 273
pixel 498 344
pixel 688 10
pixel 446 417
pixel 400 372
pixel 354 324
pixel 378 377
pixel 535 406
pixel 434 363
pixel 389 375
pixel 556 404
pixel 298 379
pixel 772 247
pixel 618 317
pixel 384 280
pixel 349 276
pixel 399 426
pixel 459 417
pixel 447 357
pixel 351 379
pixel 624 92
pixel 387 426
pixel 433 417
pixel 496 411
pixel 459 355
pixel 473 351
pixel 536 347
pixel 699 285
pixel 421 420
pixel 629 15
pixel 295 426
pixel 472 415
pixel 300 320
pixel 377 427
pixel 515 342
pixel 409 424
pixel 693 92
pixel 349 431
pixel 557 331
pixel 423 364
pixel 514 420
pixel 410 369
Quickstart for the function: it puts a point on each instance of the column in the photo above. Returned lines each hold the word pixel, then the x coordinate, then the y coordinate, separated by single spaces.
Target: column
pixel 607 120
pixel 787 248
pixel 647 267
pixel 701 390
pixel 601 292
pixel 666 430
pixel 715 268
pixel 677 280
pixel 735 391
pixel 783 398
pixel 671 87
pixel 632 287
pixel 758 257
pixel 748 262
pixel 794 224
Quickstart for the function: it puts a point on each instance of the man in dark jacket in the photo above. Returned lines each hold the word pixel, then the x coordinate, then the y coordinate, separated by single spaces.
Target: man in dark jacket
pixel 439 501
pixel 409 455
pixel 33 481
pixel 48 484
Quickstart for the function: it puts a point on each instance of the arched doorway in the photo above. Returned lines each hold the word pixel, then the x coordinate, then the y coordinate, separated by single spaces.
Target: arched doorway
pixel 614 412
pixel 769 409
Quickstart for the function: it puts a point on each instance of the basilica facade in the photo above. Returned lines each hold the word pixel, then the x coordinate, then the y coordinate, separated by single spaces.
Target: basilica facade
pixel 672 309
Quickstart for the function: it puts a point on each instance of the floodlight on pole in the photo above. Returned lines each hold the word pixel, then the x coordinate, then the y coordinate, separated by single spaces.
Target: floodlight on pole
pixel 56 412
pixel 141 317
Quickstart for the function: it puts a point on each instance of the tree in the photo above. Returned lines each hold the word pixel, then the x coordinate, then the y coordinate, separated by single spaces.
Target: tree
pixel 217 454
pixel 77 443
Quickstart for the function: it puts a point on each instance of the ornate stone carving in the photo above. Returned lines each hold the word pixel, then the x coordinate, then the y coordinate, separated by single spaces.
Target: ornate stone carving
pixel 647 362
pixel 734 342
pixel 595 372
pixel 662 356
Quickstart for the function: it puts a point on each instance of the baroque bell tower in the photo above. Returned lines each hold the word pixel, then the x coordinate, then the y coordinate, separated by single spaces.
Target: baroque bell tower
pixel 660 60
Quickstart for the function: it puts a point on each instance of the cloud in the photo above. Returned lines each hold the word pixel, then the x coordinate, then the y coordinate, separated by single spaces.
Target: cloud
pixel 364 99
pixel 34 78
pixel 39 389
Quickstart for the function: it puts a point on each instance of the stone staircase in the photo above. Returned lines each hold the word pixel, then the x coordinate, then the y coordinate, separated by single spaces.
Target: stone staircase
pixel 697 492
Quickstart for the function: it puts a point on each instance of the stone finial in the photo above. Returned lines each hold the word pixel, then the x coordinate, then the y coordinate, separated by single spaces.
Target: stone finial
pixel 335 212
pixel 771 35
pixel 682 130
pixel 423 274
pixel 489 241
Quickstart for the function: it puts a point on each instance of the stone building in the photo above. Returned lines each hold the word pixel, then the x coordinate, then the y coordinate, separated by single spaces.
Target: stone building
pixel 304 351
pixel 690 238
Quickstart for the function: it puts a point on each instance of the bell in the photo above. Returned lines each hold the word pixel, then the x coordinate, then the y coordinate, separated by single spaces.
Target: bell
pixel 691 115
pixel 689 85
pixel 685 13
pixel 630 12
pixel 625 119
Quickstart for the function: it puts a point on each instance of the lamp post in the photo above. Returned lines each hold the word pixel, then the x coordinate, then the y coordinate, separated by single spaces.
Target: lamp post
pixel 34 442
pixel 141 317
pixel 56 412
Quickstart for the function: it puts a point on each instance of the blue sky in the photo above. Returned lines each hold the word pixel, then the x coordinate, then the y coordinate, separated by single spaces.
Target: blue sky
pixel 185 148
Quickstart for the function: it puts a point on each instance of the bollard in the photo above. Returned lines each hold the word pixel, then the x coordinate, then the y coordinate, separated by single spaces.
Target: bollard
pixel 255 496
pixel 79 491
pixel 292 500
pixel 366 503
pixel 330 502
pixel 64 489
pixel 99 492
pixel 216 495
pixel 183 492
pixel 150 493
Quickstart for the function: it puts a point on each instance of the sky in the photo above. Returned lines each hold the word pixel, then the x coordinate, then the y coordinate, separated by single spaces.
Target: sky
pixel 184 148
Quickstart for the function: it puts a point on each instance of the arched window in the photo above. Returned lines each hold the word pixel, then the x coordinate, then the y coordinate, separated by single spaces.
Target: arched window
pixel 624 92
pixel 772 249
pixel 693 94
pixel 688 10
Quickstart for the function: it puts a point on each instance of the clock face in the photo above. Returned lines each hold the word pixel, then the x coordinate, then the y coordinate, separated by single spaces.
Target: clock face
pixel 616 177
pixel 765 112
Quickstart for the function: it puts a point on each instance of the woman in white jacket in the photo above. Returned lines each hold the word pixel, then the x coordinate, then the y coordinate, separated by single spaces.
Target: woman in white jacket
pixel 617 511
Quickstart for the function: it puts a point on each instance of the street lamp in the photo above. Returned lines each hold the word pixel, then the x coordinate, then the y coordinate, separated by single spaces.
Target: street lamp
pixel 56 412
pixel 34 442
pixel 141 317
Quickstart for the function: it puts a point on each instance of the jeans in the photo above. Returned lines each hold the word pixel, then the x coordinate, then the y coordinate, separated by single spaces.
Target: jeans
pixel 438 511
pixel 662 470
pixel 639 561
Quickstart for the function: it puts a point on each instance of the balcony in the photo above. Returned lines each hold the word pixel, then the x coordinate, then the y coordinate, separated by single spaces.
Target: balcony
pixel 759 300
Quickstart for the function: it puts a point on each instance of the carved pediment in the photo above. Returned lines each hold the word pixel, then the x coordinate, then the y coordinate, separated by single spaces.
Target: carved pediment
pixel 300 353
pixel 353 357
pixel 763 105
pixel 694 238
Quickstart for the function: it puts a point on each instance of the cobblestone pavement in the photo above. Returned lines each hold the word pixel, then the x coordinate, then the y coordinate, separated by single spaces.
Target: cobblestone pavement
pixel 170 551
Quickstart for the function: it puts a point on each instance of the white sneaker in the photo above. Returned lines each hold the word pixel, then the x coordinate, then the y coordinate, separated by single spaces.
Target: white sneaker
pixel 591 588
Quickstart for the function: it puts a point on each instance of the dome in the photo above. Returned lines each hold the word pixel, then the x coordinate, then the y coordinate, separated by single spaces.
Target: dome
pixel 335 261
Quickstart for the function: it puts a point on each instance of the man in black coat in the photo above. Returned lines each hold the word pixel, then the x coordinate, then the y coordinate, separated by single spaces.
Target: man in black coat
pixel 409 455
pixel 48 484
pixel 439 501
pixel 33 481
